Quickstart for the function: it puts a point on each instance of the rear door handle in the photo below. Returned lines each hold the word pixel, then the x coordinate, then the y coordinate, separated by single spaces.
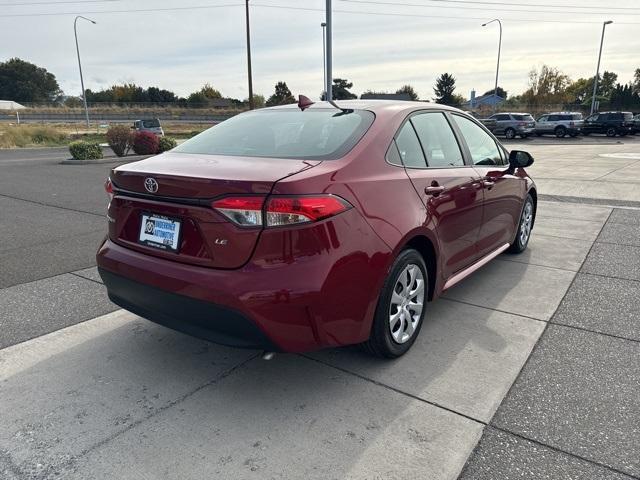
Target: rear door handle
pixel 434 190
pixel 488 183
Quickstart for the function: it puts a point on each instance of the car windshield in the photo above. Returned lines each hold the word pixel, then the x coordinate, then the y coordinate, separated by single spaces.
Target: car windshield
pixel 523 118
pixel 151 123
pixel 322 134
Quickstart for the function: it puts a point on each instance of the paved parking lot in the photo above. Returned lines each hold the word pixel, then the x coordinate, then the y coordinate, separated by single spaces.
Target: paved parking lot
pixel 530 369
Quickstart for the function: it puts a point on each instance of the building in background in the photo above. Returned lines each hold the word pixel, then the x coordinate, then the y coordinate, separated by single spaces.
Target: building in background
pixel 474 102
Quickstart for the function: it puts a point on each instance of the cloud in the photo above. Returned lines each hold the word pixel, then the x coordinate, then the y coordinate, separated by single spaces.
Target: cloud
pixel 182 50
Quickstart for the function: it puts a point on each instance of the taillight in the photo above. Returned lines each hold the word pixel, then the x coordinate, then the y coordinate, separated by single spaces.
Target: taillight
pixel 280 210
pixel 108 187
pixel 294 210
pixel 244 211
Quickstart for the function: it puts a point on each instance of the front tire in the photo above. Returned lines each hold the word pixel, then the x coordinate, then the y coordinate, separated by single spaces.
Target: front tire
pixel 561 132
pixel 611 132
pixel 510 133
pixel 525 225
pixel 401 307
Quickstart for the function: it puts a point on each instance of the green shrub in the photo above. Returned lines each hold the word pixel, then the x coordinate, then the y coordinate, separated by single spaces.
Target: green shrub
pixel 120 139
pixel 81 150
pixel 166 143
pixel 146 143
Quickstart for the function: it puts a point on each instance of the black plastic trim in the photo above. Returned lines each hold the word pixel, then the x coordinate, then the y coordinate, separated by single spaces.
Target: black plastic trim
pixel 188 315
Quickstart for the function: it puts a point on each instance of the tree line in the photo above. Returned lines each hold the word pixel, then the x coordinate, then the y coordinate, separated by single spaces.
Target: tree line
pixel 25 82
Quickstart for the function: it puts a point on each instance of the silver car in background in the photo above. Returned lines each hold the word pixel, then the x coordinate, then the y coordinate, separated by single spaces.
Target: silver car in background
pixel 149 125
pixel 511 124
pixel 560 124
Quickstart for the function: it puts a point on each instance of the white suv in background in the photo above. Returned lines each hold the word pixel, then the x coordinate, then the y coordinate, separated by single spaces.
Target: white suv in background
pixel 560 124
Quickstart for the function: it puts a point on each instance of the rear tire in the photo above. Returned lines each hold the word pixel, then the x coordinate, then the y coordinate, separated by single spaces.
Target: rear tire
pixel 510 133
pixel 401 307
pixel 525 225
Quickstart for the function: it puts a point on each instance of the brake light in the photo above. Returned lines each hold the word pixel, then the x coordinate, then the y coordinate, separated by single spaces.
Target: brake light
pixel 244 211
pixel 280 210
pixel 295 210
pixel 108 187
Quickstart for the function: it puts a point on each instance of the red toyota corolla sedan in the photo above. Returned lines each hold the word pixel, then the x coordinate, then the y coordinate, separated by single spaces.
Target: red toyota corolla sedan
pixel 292 229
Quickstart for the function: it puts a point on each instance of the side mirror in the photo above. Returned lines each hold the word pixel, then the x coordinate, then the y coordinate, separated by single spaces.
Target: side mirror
pixel 519 159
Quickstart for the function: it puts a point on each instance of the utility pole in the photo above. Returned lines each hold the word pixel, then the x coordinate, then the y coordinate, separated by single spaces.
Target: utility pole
pixel 595 80
pixel 495 91
pixel 324 61
pixel 249 57
pixel 329 74
pixel 84 93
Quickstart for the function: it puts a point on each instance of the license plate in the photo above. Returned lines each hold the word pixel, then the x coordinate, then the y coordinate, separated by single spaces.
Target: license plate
pixel 160 232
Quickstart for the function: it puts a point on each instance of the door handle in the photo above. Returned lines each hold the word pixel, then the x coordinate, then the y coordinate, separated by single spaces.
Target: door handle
pixel 488 183
pixel 434 190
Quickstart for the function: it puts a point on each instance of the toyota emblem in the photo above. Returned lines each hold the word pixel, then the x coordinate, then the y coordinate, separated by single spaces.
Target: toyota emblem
pixel 151 185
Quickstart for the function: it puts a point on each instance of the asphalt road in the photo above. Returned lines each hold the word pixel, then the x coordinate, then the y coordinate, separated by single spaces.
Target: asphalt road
pixel 530 369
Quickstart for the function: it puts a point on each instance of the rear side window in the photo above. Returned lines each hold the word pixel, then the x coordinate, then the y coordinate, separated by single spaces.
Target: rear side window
pixel 409 147
pixel 483 148
pixel 528 118
pixel 438 141
pixel 315 134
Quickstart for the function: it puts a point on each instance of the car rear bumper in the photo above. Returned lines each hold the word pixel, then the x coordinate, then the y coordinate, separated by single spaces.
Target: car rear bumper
pixel 304 288
pixel 195 317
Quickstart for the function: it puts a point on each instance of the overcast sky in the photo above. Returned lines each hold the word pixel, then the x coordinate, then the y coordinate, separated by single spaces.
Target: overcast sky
pixel 379 47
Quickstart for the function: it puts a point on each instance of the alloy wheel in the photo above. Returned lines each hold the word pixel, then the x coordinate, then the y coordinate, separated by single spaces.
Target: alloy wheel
pixel 526 223
pixel 407 301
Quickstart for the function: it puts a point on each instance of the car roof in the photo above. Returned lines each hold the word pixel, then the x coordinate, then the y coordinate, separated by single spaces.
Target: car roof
pixel 376 106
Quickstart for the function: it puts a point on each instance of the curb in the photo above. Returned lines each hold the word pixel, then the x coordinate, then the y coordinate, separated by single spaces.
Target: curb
pixel 127 159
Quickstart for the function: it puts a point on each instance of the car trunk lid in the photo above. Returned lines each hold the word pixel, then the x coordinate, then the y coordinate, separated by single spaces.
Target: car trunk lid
pixel 179 188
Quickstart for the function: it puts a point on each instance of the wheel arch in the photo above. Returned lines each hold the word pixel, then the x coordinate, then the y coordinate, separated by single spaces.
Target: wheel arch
pixel 425 247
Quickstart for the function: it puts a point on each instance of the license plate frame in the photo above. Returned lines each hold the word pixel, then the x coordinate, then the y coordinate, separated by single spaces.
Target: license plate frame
pixel 147 234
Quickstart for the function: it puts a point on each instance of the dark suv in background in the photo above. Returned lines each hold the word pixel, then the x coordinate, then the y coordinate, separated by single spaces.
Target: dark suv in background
pixel 609 123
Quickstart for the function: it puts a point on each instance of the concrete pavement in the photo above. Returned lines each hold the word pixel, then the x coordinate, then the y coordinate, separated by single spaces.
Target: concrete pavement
pixel 528 370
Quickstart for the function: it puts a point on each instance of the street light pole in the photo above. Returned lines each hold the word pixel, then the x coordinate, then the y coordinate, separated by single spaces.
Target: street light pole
pixel 84 93
pixel 595 80
pixel 495 91
pixel 329 73
pixel 324 61
pixel 249 57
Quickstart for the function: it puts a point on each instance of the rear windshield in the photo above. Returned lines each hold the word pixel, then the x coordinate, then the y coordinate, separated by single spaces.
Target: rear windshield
pixel 576 116
pixel 151 123
pixel 628 116
pixel 523 118
pixel 313 134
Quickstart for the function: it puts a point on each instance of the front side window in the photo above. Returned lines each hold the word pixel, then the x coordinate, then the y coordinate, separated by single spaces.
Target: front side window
pixel 313 134
pixel 409 147
pixel 438 141
pixel 542 119
pixel 484 150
